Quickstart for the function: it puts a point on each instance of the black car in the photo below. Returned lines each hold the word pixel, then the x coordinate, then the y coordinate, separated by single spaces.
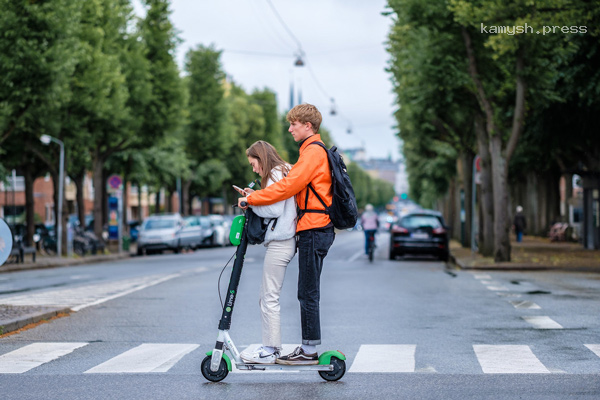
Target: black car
pixel 420 232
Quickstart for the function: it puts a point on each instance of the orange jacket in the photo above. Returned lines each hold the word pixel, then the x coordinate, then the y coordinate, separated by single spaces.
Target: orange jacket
pixel 312 167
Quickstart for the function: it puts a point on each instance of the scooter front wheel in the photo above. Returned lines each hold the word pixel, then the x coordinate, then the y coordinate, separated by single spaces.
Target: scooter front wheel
pixel 339 369
pixel 213 376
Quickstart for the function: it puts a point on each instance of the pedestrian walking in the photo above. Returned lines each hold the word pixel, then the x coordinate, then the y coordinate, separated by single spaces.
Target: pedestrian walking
pixel 519 223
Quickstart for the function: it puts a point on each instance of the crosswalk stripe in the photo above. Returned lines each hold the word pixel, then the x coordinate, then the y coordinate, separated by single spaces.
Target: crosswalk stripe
pixel 528 305
pixel 595 348
pixel 385 358
pixel 149 357
pixel 34 355
pixel 508 359
pixel 542 322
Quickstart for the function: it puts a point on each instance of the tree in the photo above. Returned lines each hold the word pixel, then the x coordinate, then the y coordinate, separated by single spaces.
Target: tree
pixel 520 70
pixel 207 137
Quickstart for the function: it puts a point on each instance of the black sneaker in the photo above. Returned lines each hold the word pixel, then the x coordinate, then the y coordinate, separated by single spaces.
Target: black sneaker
pixel 298 357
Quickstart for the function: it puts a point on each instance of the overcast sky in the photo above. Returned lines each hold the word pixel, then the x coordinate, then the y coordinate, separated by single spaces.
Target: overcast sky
pixel 343 42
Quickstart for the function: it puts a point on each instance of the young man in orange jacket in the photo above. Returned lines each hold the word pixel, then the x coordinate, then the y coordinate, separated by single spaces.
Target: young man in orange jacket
pixel 314 230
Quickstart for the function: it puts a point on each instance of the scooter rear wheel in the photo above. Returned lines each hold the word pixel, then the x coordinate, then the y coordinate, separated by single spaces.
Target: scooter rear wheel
pixel 339 369
pixel 212 376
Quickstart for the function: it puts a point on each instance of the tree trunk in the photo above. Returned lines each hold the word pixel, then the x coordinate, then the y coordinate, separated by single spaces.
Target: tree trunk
pixel 565 209
pixel 449 208
pixel 29 210
pixel 467 179
pixel 104 195
pixel 486 200
pixel 98 176
pixel 185 194
pixel 125 204
pixel 140 209
pixel 500 187
pixel 79 181
pixel 157 202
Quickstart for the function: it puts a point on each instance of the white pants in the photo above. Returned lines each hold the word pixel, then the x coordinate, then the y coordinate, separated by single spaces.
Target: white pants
pixel 278 256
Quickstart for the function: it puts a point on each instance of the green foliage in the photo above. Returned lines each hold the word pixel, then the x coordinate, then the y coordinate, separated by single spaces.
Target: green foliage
pixel 208 138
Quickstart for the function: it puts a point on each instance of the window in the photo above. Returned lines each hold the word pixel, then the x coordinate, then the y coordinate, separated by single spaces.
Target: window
pixel 418 221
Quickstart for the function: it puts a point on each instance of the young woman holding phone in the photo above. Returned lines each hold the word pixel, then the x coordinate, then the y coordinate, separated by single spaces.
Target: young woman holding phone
pixel 280 241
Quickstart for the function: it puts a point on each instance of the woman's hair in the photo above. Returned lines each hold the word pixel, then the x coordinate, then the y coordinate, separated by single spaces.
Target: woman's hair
pixel 268 159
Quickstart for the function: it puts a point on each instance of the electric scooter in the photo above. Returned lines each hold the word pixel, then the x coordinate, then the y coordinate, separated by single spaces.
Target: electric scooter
pixel 217 364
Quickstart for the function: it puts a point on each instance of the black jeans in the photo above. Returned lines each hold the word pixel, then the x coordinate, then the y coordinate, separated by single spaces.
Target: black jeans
pixel 313 246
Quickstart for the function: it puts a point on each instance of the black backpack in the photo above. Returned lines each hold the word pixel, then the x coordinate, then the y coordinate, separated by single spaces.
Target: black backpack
pixel 257 227
pixel 343 210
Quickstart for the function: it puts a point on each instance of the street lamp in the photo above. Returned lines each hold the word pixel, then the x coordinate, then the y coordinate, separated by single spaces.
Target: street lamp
pixel 46 139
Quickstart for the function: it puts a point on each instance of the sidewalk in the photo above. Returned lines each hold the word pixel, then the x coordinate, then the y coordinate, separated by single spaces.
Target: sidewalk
pixel 13 318
pixel 534 253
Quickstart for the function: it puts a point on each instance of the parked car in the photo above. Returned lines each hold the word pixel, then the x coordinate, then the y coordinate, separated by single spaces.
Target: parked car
pixel 220 230
pixel 160 232
pixel 422 232
pixel 196 232
pixel 134 228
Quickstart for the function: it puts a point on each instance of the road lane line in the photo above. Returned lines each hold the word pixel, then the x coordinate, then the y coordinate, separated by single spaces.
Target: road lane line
pixel 595 348
pixel 126 292
pixel 498 288
pixel 149 357
pixel 80 297
pixel 523 304
pixel 482 276
pixel 356 256
pixel 542 322
pixel 34 355
pixel 508 359
pixel 384 358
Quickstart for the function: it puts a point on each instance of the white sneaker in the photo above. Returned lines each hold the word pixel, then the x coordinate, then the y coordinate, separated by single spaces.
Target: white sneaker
pixel 259 356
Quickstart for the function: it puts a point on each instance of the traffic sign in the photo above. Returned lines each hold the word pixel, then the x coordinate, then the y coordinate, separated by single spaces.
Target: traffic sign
pixel 6 242
pixel 115 182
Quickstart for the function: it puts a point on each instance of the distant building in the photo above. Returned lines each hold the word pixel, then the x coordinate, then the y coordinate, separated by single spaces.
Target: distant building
pixel 381 168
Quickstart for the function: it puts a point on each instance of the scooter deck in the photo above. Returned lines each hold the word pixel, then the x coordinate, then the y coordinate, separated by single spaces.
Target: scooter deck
pixel 282 367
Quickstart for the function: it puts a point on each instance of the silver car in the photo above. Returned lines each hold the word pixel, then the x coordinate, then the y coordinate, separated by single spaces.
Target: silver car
pixel 159 232
pixel 196 232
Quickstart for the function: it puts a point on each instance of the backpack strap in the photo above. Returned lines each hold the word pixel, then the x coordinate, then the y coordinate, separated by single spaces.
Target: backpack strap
pixel 310 188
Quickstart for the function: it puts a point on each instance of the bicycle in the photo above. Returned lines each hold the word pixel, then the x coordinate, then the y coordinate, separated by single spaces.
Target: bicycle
pixel 372 246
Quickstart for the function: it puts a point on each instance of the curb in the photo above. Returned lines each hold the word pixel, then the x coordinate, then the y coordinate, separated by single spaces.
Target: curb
pixel 12 325
pixel 518 267
pixel 62 263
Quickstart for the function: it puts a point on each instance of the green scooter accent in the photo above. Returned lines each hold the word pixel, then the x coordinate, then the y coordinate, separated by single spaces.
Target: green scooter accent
pixel 325 358
pixel 235 232
pixel 225 356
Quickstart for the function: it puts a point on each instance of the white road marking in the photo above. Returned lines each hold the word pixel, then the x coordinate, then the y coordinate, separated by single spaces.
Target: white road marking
pixel 498 288
pixel 509 295
pixel 149 357
pixel 508 359
pixel 525 304
pixel 80 297
pixel 542 322
pixel 356 256
pixel 595 348
pixel 384 358
pixel 34 355
pixel 482 276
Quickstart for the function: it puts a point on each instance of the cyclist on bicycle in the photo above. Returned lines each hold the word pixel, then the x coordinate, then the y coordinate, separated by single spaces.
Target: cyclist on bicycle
pixel 369 223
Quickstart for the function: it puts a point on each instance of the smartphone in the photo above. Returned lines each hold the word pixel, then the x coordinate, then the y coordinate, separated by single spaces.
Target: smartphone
pixel 240 190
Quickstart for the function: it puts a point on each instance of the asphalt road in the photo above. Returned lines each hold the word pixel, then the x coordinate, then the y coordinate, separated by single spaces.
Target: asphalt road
pixel 410 329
